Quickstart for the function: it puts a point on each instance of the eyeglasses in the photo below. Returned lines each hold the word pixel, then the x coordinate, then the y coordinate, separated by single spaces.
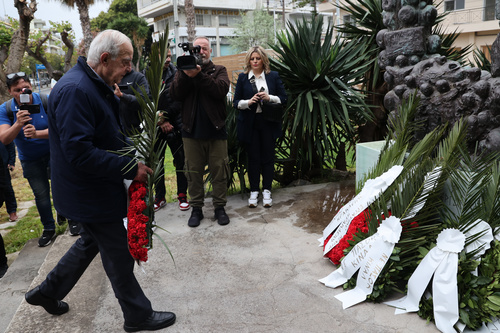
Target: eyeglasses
pixel 13 75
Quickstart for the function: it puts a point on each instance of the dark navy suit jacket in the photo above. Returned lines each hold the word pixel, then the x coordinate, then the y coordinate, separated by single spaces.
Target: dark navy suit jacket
pixel 246 117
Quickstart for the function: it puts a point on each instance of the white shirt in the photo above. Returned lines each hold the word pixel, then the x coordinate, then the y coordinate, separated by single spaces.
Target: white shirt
pixel 260 82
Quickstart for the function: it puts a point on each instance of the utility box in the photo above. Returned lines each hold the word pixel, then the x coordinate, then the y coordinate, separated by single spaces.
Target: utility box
pixel 366 157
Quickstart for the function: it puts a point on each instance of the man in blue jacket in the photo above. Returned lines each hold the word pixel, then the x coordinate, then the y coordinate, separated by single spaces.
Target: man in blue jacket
pixel 87 182
pixel 30 132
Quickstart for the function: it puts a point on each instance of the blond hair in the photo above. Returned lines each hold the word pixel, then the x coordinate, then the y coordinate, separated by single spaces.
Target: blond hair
pixel 262 53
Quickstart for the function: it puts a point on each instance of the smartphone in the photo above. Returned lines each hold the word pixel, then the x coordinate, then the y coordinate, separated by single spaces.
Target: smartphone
pixel 123 86
pixel 32 108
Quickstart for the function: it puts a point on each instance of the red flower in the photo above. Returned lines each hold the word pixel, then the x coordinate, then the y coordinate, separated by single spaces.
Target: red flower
pixel 137 222
pixel 358 225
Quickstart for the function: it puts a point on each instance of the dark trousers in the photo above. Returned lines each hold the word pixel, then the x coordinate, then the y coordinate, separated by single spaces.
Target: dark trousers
pixel 10 197
pixel 3 255
pixel 202 152
pixel 260 154
pixel 110 240
pixel 174 142
pixel 37 174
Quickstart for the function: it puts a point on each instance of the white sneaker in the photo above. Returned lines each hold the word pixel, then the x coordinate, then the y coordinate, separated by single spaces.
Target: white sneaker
pixel 254 198
pixel 267 201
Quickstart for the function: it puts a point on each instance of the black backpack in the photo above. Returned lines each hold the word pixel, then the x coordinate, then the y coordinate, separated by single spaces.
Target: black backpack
pixel 10 114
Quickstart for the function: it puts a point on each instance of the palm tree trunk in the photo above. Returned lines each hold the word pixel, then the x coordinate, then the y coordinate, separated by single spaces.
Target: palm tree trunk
pixel 83 10
pixel 190 19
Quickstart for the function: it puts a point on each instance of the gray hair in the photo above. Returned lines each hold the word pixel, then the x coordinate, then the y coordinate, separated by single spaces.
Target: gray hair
pixel 107 41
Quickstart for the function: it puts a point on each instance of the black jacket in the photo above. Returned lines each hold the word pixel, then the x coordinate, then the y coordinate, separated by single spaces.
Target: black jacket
pixel 170 108
pixel 129 106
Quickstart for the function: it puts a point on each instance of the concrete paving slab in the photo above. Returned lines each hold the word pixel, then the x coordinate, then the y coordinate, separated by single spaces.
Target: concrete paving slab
pixel 258 274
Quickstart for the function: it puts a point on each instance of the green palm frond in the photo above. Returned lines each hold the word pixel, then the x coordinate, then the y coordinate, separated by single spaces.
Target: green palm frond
pixel 481 60
pixel 143 142
pixel 491 199
pixel 447 41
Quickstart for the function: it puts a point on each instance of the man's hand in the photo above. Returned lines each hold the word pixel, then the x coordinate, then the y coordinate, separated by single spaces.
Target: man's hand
pixel 23 117
pixel 29 131
pixel 166 127
pixel 142 172
pixel 192 72
pixel 118 92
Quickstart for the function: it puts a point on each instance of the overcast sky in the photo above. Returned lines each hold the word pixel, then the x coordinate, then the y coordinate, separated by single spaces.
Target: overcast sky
pixel 57 12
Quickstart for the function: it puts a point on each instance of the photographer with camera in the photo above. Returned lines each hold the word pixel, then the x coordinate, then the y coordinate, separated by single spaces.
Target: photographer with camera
pixel 26 124
pixel 202 91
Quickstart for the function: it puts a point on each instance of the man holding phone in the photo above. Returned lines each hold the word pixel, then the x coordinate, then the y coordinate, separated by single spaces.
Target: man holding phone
pixel 27 126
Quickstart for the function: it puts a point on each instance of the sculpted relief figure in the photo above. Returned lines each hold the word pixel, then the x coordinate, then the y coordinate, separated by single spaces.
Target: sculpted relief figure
pixel 446 90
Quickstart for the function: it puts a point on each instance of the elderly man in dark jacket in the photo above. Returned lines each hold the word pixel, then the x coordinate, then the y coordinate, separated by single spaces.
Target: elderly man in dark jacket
pixel 203 91
pixel 87 182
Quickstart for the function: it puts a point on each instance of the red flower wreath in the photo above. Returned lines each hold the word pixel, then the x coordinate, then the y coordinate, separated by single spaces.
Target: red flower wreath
pixel 137 222
pixel 358 224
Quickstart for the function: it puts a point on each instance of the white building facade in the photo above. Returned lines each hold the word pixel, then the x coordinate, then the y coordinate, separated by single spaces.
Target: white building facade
pixel 215 19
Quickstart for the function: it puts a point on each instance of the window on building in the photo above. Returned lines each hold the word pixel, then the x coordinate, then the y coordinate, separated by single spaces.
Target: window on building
pixel 233 20
pixel 349 19
pixel 223 22
pixel 450 5
pixel 489 10
pixel 199 19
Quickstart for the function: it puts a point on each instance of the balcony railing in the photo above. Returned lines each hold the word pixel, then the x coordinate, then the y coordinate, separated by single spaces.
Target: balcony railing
pixel 145 3
pixel 473 15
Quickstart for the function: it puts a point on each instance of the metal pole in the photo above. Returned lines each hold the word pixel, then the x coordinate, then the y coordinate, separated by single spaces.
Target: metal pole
pixel 274 20
pixel 176 29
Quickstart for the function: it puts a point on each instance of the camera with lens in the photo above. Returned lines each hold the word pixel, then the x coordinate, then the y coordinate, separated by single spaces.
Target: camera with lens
pixel 24 99
pixel 189 61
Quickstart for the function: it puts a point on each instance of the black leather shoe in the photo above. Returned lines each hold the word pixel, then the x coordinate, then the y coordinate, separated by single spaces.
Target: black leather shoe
pixel 51 305
pixel 156 321
pixel 196 217
pixel 221 216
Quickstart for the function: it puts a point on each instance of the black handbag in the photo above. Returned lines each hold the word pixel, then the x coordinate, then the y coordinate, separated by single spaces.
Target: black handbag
pixel 270 111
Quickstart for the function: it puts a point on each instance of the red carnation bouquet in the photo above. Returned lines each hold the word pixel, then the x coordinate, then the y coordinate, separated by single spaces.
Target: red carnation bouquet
pixel 138 221
pixel 358 224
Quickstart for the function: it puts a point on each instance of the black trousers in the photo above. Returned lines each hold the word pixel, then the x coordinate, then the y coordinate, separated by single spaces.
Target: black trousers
pixel 174 142
pixel 3 256
pixel 110 240
pixel 261 154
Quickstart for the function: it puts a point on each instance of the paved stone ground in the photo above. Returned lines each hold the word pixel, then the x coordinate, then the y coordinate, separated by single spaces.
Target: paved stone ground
pixel 258 274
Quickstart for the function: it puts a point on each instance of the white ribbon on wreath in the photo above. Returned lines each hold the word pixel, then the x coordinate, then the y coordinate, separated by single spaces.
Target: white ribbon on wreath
pixel 370 257
pixel 371 191
pixel 442 262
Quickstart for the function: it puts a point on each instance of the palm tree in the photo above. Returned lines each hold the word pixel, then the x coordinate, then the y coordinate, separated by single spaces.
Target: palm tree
pixel 83 10
pixel 190 19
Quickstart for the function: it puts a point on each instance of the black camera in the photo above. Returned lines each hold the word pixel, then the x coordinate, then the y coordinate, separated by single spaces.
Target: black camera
pixel 189 61
pixel 24 98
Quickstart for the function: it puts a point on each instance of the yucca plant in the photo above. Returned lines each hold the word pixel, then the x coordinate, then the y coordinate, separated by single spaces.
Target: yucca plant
pixel 366 22
pixel 323 107
pixel 481 60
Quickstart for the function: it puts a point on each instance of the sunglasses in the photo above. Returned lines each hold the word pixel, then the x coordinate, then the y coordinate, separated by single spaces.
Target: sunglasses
pixel 13 75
